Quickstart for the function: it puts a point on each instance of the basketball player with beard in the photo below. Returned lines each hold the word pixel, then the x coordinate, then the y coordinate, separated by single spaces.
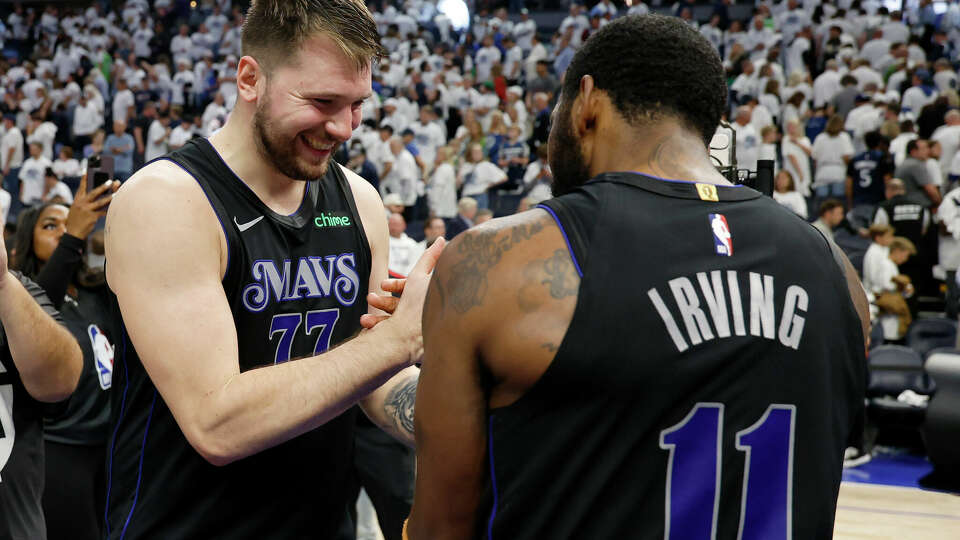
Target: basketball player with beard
pixel 241 266
pixel 654 353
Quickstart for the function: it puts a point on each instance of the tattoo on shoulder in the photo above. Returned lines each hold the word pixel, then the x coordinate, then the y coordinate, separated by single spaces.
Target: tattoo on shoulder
pixel 561 275
pixel 481 251
pixel 400 402
pixel 556 272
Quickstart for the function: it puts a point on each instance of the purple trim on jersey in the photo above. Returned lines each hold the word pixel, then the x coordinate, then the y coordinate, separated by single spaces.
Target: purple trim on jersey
pixel 565 238
pixel 113 440
pixel 143 451
pixel 226 237
pixel 677 181
pixel 493 480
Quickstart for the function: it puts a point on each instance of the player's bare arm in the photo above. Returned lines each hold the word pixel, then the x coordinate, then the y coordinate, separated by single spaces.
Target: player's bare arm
pixel 391 406
pixel 496 313
pixel 167 257
pixel 49 367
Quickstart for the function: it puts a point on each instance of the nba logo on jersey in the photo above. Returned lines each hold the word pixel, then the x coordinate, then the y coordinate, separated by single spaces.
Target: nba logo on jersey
pixel 722 239
pixel 103 355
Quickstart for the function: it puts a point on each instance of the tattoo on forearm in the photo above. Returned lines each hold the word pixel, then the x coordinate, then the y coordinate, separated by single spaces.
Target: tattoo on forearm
pixel 481 252
pixel 399 404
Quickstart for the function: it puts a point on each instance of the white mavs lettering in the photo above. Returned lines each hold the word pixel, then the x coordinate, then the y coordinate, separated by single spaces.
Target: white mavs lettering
pixel 708 303
pixel 307 277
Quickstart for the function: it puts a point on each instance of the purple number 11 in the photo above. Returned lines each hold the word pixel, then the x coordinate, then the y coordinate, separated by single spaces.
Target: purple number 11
pixel 693 474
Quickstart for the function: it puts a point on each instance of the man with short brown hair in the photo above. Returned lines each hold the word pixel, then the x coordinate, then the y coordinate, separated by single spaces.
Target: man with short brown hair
pixel 241 266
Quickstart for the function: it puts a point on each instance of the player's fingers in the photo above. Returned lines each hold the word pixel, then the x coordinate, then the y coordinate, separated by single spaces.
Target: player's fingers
pixel 100 203
pixel 100 190
pixel 383 303
pixel 393 285
pixel 82 188
pixel 369 321
pixel 429 258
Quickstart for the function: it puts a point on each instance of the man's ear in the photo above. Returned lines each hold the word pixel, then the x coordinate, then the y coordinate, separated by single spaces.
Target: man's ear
pixel 250 74
pixel 585 107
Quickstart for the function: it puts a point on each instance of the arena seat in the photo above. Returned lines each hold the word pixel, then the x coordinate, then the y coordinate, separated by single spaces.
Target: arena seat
pixel 925 335
pixel 876 335
pixel 893 370
pixel 941 427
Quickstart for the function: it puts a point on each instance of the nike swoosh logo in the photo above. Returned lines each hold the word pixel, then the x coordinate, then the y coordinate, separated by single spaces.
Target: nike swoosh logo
pixel 243 227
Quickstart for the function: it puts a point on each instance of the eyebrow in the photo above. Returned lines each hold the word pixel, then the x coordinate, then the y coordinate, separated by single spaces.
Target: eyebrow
pixel 337 96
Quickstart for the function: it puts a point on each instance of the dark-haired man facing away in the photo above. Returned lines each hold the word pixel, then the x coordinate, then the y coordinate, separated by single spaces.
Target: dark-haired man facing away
pixel 241 266
pixel 593 400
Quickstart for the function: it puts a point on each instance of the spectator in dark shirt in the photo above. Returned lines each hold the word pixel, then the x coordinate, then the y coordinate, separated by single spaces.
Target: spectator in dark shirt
pixel 920 188
pixel 544 81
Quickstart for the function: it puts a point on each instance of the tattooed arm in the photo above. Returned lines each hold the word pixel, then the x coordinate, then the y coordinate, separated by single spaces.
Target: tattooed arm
pixel 497 309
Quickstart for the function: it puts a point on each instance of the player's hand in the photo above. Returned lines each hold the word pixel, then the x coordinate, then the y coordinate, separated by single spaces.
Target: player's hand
pixel 406 318
pixel 384 302
pixel 87 207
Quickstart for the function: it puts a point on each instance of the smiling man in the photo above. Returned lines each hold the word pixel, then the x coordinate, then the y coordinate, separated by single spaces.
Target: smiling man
pixel 238 264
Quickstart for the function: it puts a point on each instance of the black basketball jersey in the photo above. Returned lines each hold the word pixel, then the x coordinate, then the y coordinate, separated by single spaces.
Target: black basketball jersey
pixel 85 418
pixel 707 382
pixel 296 285
pixel 21 442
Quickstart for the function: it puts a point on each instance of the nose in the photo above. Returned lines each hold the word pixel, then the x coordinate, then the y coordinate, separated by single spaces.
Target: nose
pixel 340 125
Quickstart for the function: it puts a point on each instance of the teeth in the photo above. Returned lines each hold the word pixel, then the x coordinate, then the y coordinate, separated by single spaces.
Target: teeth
pixel 317 144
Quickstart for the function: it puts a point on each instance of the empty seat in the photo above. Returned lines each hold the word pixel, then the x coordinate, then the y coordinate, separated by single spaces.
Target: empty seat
pixel 893 369
pixel 925 335
pixel 941 427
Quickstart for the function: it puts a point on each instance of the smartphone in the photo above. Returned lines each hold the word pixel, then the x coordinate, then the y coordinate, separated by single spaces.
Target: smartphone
pixel 99 171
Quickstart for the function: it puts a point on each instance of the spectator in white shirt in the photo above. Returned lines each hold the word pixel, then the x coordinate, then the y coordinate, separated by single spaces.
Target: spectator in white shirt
pixel 920 94
pixel 54 189
pixel 158 137
pixel 11 149
pixel 31 175
pixel 826 85
pixel 524 30
pixel 66 166
pixel 181 45
pixel 42 132
pixel 403 175
pixel 182 133
pixel 442 187
pixel 215 110
pixel 123 102
pixel 404 251
pixel 748 140
pixel 485 58
pixel 86 121
pixel 832 151
pixel 786 194
pixel 477 175
pixel 141 39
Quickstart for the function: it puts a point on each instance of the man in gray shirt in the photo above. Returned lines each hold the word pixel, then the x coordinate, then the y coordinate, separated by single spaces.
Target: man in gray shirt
pixel 916 179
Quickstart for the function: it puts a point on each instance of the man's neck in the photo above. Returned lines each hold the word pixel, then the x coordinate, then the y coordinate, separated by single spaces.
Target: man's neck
pixel 665 151
pixel 236 146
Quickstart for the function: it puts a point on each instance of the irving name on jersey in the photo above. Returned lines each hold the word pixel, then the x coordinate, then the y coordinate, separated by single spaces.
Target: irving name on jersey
pixel 708 305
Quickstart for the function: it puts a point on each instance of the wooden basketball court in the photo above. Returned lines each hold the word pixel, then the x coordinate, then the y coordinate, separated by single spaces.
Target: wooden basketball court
pixel 896 513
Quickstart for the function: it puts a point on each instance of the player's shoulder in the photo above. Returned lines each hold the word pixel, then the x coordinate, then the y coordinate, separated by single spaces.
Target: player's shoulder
pixel 498 251
pixel 159 192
